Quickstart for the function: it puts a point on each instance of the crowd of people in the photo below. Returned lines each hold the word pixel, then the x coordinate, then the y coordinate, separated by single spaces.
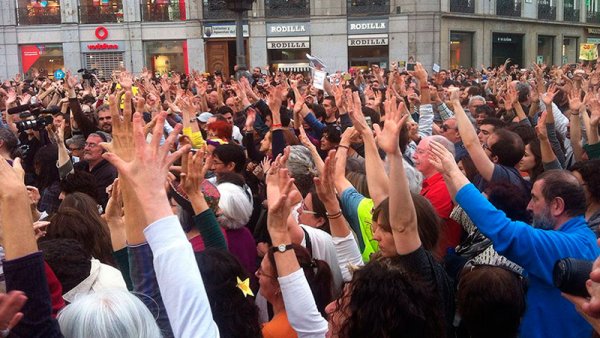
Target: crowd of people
pixel 390 203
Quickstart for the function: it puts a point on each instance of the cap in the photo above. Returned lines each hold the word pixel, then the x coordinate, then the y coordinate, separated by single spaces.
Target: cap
pixel 204 117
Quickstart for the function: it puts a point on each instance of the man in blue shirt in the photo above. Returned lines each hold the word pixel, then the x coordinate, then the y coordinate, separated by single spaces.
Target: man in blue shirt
pixel 559 231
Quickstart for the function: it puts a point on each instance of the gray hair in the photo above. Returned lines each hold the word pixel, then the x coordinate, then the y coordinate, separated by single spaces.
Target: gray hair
pixel 104 136
pixel 107 314
pixel 76 140
pixel 476 98
pixel 302 168
pixel 236 209
pixel 444 141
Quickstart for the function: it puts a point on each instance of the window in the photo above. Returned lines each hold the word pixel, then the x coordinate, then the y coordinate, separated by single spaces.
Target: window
pixel 569 50
pixel 368 7
pixel 546 10
pixel 38 12
pixel 461 49
pixel 278 8
pixel 508 7
pixel 217 9
pixel 161 10
pixel 571 10
pixel 545 50
pixel 593 11
pixel 100 11
pixel 165 56
pixel 45 58
pixel 462 6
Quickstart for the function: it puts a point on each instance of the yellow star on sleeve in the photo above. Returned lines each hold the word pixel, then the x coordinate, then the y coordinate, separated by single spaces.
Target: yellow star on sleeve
pixel 245 287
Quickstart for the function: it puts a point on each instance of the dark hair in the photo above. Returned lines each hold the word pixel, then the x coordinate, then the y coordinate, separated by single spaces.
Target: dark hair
pixel 404 138
pixel 317 272
pixel 491 302
pixel 332 133
pixel 508 147
pixel 428 222
pixel 9 142
pixel 487 110
pixel 536 151
pixel 372 113
pixel 384 300
pixel 80 181
pixel 318 110
pixel 224 110
pixel 235 314
pixel 231 153
pixel 45 159
pixel 78 218
pixel 319 209
pixel 493 121
pixel 510 199
pixel 469 167
pixel 526 132
pixel 590 172
pixel 562 183
pixel 67 258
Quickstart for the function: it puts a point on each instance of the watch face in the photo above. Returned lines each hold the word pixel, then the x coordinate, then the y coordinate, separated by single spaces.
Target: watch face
pixel 281 248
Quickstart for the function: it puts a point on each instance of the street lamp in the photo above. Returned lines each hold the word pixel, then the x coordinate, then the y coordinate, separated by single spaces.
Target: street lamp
pixel 239 7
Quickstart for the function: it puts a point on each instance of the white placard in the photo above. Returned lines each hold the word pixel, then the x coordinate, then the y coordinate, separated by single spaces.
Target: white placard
pixel 319 79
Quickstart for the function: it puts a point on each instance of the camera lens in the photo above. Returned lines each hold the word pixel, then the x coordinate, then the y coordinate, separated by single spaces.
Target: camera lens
pixel 570 276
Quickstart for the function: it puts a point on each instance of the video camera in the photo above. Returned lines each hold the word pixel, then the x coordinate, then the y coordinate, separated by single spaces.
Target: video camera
pixel 570 276
pixel 89 74
pixel 43 117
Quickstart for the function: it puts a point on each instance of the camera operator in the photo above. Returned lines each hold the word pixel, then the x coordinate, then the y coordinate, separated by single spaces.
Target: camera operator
pixel 101 121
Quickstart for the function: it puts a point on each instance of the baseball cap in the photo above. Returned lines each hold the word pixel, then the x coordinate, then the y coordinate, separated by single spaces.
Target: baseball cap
pixel 204 117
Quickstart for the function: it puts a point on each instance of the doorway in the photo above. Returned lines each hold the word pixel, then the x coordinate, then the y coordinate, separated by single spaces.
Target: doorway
pixel 221 56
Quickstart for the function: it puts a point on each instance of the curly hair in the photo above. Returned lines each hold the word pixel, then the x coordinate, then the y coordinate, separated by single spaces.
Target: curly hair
pixel 384 300
pixel 590 172
pixel 235 314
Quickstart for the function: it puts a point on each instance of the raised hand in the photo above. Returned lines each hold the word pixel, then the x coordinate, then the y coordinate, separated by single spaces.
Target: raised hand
pixel 388 138
pixel 541 129
pixel 358 119
pixel 325 183
pixel 280 207
pixel 191 172
pixel 441 158
pixel 575 103
pixel 126 80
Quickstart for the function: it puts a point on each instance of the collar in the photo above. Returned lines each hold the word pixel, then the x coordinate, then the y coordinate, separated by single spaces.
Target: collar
pixel 432 180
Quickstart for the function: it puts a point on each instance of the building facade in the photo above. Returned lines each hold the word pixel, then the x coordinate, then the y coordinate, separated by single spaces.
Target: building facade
pixel 185 35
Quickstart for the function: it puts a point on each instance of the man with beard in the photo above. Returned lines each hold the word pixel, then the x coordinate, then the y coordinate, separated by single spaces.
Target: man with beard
pixel 93 162
pixel 559 230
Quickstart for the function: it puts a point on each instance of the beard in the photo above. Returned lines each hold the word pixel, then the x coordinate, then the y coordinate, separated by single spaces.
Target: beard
pixel 544 220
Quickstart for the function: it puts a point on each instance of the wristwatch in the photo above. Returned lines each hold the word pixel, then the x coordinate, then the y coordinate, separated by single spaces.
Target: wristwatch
pixel 281 248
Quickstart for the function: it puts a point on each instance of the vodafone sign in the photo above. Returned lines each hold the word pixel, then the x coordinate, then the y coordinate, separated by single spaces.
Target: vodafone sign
pixel 101 33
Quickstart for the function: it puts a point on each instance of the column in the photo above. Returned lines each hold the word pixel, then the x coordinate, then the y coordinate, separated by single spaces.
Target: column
pixel 69 11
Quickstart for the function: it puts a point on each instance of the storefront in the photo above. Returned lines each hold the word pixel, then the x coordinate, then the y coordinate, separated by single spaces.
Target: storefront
pixel 545 50
pixel 505 46
pixel 37 12
pixel 287 46
pixel 220 47
pixel 368 43
pixel 461 49
pixel 570 50
pixel 163 57
pixel 106 57
pixel 46 58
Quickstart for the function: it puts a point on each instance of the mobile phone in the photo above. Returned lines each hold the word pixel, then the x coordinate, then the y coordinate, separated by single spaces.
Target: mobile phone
pixel 369 122
pixel 410 67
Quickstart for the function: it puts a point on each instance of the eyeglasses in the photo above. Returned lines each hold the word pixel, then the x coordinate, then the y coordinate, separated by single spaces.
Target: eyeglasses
pixel 305 210
pixel 218 163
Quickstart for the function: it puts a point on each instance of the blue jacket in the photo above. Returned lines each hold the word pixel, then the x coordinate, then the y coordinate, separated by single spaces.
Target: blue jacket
pixel 548 314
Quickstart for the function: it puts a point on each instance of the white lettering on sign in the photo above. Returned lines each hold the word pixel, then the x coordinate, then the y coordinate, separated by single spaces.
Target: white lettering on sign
pixel 505 39
pixel 288 29
pixel 365 26
pixel 288 45
pixel 367 42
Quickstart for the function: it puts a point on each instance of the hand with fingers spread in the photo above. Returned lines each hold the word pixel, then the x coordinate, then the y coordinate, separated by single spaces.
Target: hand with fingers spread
pixel 442 159
pixel 575 104
pixel 388 138
pixel 280 207
pixel 358 119
pixel 541 129
pixel 192 177
pixel 325 184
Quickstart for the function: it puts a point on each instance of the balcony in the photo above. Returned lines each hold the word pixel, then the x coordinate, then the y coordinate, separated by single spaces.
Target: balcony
pixel 571 14
pixel 280 8
pixel 368 7
pixel 217 10
pixel 101 14
pixel 508 8
pixel 154 12
pixel 546 11
pixel 462 6
pixel 593 17
pixel 38 15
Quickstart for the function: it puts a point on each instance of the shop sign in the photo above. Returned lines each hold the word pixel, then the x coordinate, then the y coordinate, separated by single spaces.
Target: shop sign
pixel 99 47
pixel 288 45
pixel 29 55
pixel 288 29
pixel 222 31
pixel 594 30
pixel 595 41
pixel 368 40
pixel 367 26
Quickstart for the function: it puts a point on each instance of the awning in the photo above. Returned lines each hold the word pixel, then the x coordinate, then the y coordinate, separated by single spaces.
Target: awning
pixel 292 67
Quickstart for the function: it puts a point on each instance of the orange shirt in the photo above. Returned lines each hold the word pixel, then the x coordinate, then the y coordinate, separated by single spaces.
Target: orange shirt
pixel 279 327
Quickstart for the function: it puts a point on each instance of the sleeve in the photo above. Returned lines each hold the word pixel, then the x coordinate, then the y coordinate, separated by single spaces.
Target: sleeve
pixel 300 306
pixel 179 280
pixel 552 165
pixel 445 112
pixel 349 201
pixel 65 169
pixel 534 249
pixel 525 122
pixel 28 274
pixel 348 255
pixel 260 126
pixel 345 122
pixel 84 124
pixel 122 258
pixel 593 150
pixel 146 286
pixel 560 155
pixel 248 143
pixel 196 137
pixel 278 142
pixel 425 120
pixel 314 124
pixel 500 174
pixel 207 224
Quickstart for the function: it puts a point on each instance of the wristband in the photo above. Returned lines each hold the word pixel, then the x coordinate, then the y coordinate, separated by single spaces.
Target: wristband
pixel 335 215
pixel 424 87
pixel 343 146
pixel 276 125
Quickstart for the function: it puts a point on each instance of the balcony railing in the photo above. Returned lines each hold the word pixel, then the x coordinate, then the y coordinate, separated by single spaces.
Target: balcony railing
pixel 462 6
pixel 571 14
pixel 153 12
pixel 593 17
pixel 101 14
pixel 368 7
pixel 38 15
pixel 278 8
pixel 546 11
pixel 508 7
pixel 217 9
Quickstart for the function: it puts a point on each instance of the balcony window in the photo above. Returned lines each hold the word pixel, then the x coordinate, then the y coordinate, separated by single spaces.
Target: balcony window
pixel 38 12
pixel 366 7
pixel 161 10
pixel 571 12
pixel 546 10
pixel 508 7
pixel 278 8
pixel 462 6
pixel 100 11
pixel 217 9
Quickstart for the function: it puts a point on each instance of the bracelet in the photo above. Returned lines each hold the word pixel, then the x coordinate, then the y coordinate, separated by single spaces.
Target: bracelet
pixel 276 125
pixel 343 146
pixel 334 216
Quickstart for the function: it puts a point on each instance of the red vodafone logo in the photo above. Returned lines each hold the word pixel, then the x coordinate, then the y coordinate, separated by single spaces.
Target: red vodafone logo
pixel 101 32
